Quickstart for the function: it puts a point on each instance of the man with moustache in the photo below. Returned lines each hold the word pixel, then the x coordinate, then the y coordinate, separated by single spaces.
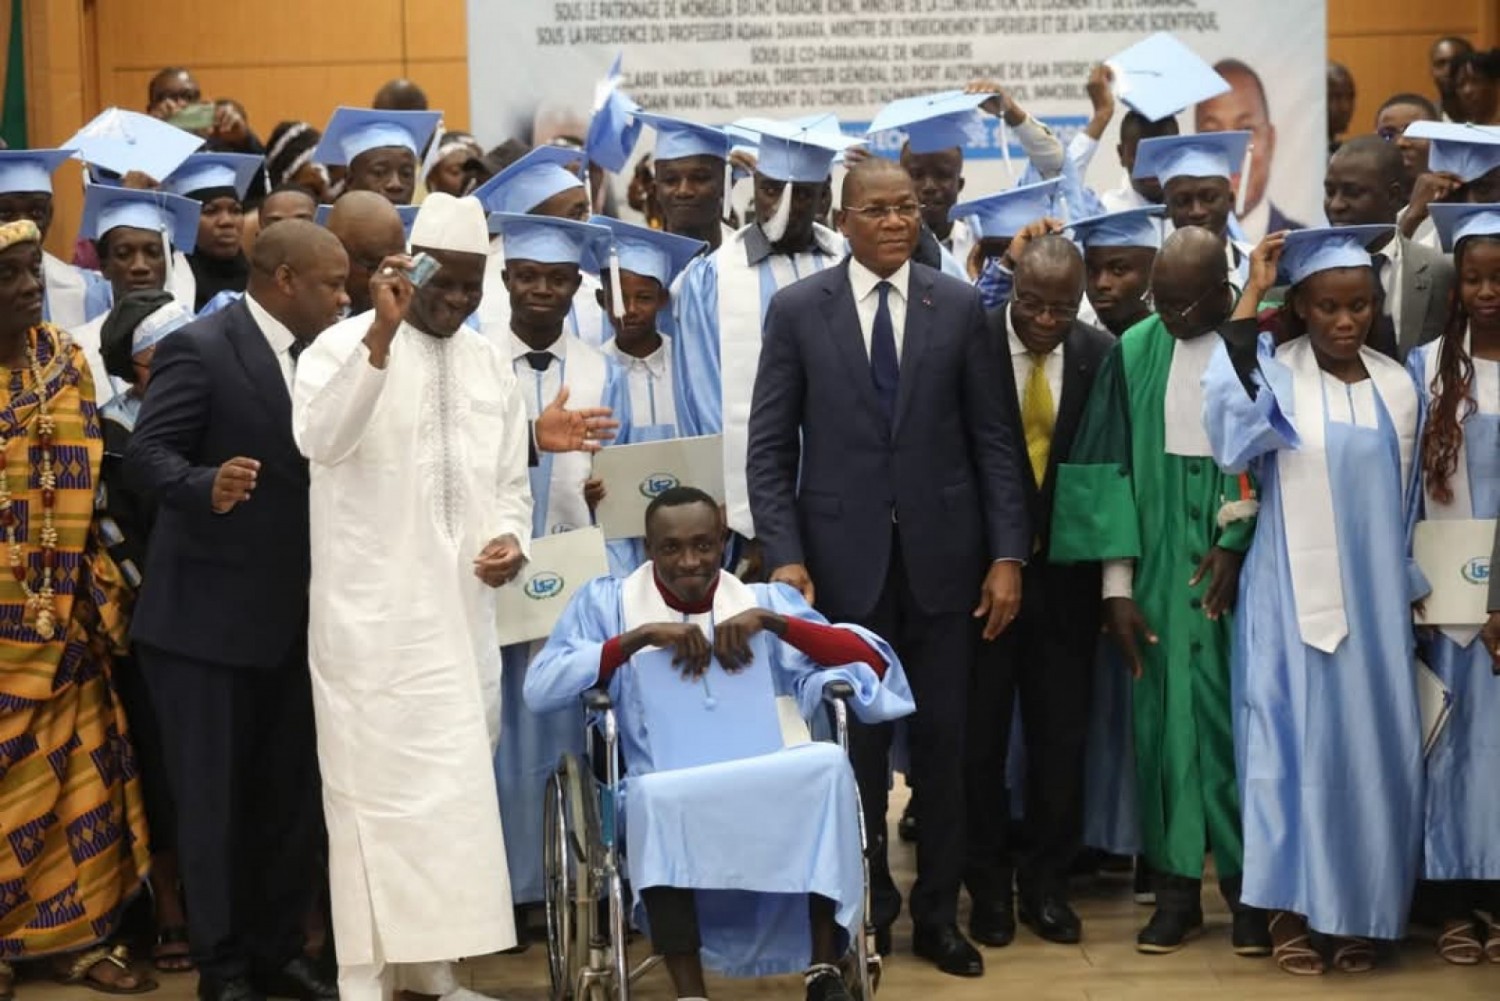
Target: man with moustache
pixel 409 418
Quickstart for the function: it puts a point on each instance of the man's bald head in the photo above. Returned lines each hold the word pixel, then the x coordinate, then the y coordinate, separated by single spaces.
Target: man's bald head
pixel 870 171
pixel 400 95
pixel 1190 282
pixel 297 274
pixel 371 230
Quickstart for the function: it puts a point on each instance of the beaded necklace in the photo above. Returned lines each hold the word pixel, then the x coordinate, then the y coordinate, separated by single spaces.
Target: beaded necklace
pixel 41 603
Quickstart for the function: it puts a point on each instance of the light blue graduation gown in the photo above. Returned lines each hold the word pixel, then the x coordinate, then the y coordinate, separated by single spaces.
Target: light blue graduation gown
pixel 648 406
pixel 530 742
pixel 712 801
pixel 1328 746
pixel 1463 768
pixel 221 301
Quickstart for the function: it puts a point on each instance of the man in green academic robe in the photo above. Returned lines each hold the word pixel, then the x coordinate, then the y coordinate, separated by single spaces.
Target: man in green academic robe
pixel 1141 493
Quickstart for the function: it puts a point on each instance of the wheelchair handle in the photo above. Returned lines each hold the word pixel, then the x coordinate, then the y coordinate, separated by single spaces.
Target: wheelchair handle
pixel 597 700
pixel 839 691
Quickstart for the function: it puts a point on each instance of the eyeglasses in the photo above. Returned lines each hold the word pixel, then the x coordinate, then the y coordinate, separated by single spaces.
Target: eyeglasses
pixel 1167 313
pixel 1034 308
pixel 906 211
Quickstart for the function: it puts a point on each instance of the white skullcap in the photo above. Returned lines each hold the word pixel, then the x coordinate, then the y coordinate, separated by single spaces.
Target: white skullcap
pixel 448 223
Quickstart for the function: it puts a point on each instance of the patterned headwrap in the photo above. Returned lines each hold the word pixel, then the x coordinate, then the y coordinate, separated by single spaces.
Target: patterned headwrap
pixel 20 231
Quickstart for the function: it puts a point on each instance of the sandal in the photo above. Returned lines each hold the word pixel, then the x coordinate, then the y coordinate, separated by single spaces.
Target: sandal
pixel 172 954
pixel 1294 952
pixel 79 970
pixel 1459 943
pixel 1491 941
pixel 1354 954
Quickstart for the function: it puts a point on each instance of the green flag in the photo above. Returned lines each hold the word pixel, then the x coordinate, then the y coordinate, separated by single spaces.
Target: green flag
pixel 13 110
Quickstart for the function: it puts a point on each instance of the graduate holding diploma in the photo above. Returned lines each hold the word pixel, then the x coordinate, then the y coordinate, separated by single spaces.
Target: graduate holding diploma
pixel 1328 740
pixel 1458 379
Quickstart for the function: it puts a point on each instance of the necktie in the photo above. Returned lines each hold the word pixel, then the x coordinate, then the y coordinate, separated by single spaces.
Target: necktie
pixel 298 346
pixel 1038 415
pixel 539 360
pixel 885 370
pixel 1383 331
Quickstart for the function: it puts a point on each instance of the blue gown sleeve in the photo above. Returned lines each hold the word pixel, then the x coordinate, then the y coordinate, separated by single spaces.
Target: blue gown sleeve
pixel 1241 429
pixel 994 284
pixel 568 665
pixel 98 294
pixel 876 700
pixel 1418 586
pixel 695 354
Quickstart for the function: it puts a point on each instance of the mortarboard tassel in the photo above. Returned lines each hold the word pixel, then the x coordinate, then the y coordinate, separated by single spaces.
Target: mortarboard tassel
pixel 1010 172
pixel 775 227
pixel 1244 192
pixel 616 291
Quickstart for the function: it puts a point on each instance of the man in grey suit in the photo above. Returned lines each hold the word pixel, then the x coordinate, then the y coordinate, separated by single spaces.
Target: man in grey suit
pixel 885 485
pixel 1363 186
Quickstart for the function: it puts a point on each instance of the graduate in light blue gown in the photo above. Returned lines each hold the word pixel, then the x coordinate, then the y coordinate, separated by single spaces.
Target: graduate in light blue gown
pixel 644 262
pixel 742 847
pixel 1458 378
pixel 1195 176
pixel 720 304
pixel 1328 741
pixel 541 277
pixel 996 220
pixel 74 295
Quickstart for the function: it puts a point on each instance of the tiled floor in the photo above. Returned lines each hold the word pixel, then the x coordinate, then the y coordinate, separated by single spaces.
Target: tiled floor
pixel 1105 967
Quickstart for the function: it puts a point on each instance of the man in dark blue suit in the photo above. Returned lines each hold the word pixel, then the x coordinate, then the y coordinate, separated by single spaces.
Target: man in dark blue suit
pixel 221 623
pixel 886 486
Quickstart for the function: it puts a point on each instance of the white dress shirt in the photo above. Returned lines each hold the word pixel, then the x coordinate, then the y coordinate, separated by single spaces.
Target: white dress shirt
pixel 538 388
pixel 649 381
pixel 1020 363
pixel 867 301
pixel 1390 277
pixel 276 335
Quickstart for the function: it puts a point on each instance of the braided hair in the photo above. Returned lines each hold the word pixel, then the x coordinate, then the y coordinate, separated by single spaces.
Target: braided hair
pixel 1452 403
pixel 288 150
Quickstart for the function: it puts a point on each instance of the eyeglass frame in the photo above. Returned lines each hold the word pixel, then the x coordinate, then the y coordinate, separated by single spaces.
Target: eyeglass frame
pixel 1181 315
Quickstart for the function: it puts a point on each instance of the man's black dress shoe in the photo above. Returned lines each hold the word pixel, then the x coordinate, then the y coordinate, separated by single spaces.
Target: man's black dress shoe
pixel 946 948
pixel 906 827
pixel 299 980
pixel 992 923
pixel 828 986
pixel 883 940
pixel 1251 935
pixel 1168 931
pixel 232 989
pixel 1051 918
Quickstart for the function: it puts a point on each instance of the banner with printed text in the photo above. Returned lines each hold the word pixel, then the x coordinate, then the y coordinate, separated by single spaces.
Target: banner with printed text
pixel 533 67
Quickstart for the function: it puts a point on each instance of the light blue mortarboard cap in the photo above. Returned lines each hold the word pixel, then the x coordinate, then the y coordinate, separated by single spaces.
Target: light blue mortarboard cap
pixel 1308 251
pixel 531 180
pixel 352 131
pixel 799 151
pixel 677 138
pixel 105 208
pixel 122 141
pixel 649 252
pixel 1127 228
pixel 202 171
pixel 1458 220
pixel 1008 212
pixel 30 170
pixel 548 240
pixel 1159 76
pixel 933 122
pixel 613 129
pixel 1470 151
pixel 1207 154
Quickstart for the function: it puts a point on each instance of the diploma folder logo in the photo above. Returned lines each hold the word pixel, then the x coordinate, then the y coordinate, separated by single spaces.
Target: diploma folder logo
pixel 1477 570
pixel 542 585
pixel 656 484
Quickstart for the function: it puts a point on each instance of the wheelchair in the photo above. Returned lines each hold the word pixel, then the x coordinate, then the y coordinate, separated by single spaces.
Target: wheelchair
pixel 587 922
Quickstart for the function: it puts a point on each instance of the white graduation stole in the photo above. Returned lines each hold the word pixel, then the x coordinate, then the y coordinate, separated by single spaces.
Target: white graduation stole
pixel 1485 391
pixel 741 312
pixel 1183 431
pixel 1307 495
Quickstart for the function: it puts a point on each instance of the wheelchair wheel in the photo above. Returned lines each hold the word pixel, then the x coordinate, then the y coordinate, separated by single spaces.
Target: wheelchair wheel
pixel 570 839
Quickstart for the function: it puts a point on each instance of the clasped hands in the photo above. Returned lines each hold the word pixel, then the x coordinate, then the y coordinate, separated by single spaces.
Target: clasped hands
pixel 691 650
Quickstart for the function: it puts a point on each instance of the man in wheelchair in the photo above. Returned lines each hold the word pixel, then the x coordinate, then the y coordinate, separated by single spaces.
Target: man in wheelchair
pixel 743 852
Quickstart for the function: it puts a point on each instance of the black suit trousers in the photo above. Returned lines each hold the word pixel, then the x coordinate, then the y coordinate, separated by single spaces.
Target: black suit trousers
pixel 1046 658
pixel 937 652
pixel 241 754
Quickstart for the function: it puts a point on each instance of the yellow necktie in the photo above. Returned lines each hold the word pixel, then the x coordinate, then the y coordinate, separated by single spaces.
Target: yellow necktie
pixel 1038 415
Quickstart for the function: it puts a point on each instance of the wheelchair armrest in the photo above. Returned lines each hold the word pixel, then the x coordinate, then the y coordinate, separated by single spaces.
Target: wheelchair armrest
pixel 596 700
pixel 838 691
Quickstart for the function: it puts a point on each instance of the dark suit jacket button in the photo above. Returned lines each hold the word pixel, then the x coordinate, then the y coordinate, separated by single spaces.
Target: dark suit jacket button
pixel 1195 467
pixel 1196 558
pixel 1195 512
pixel 1196 603
pixel 1195 647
